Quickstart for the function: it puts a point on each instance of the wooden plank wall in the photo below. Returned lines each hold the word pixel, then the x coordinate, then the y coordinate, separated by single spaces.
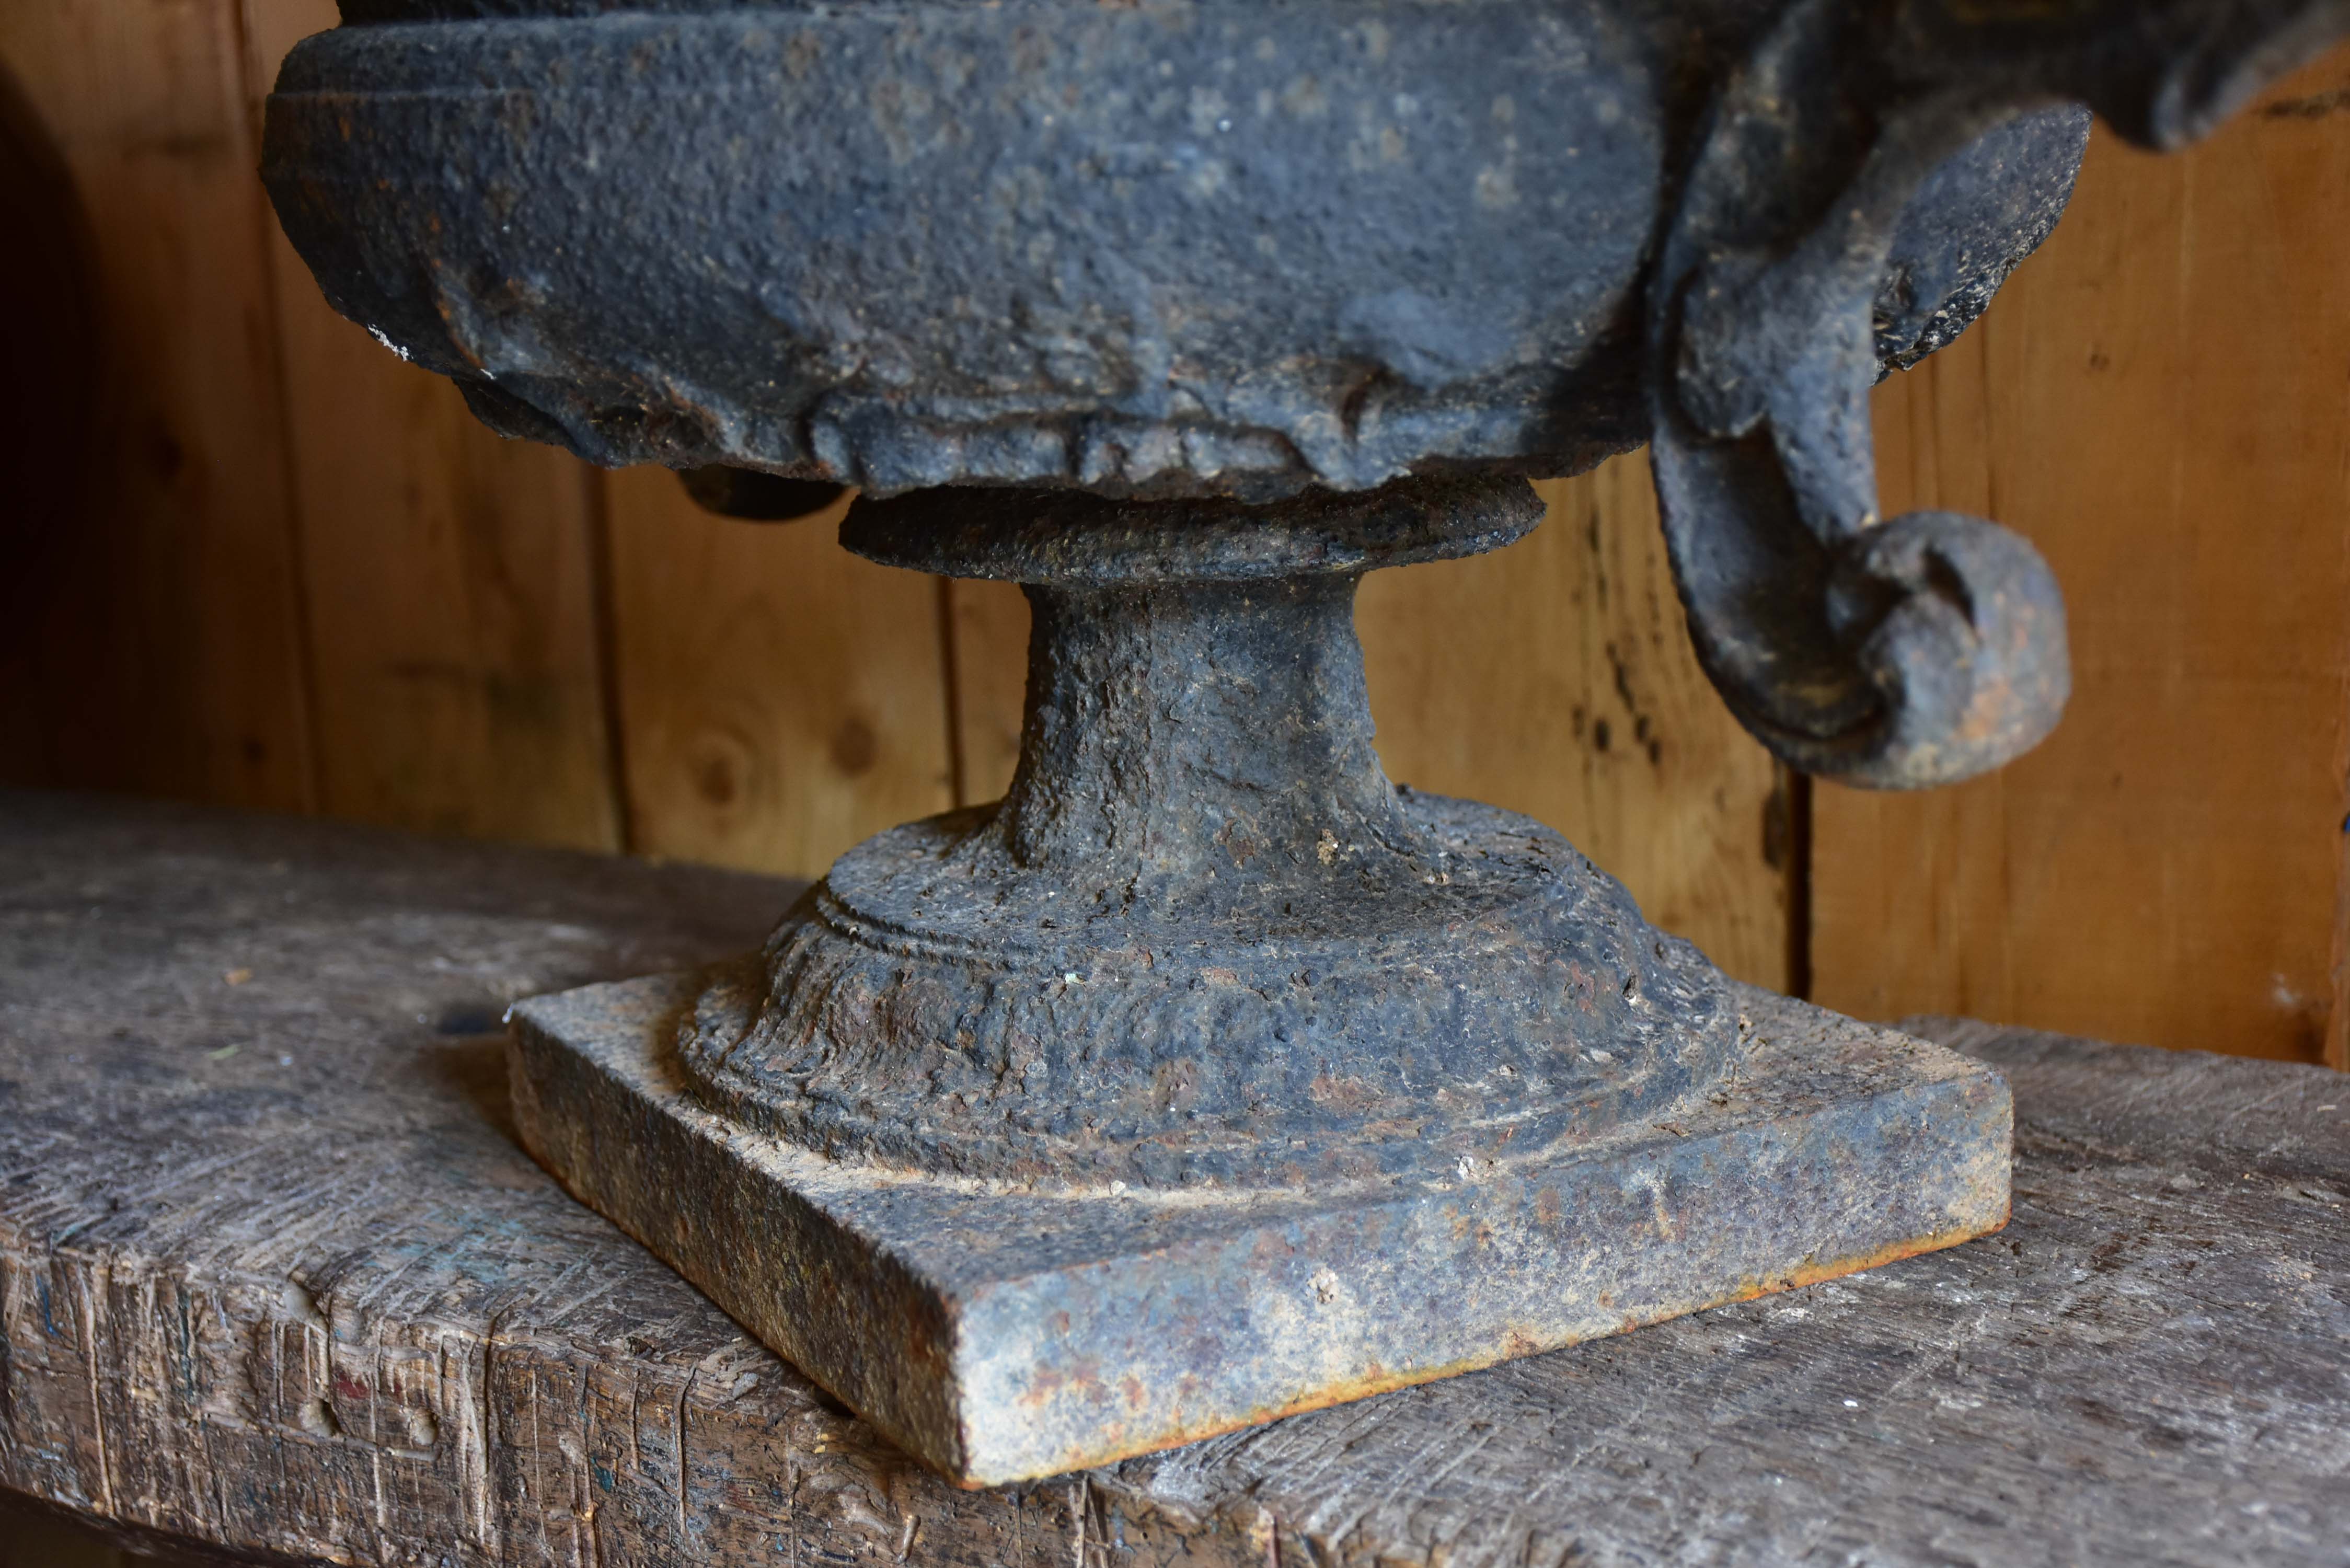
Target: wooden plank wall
pixel 2162 404
pixel 155 642
pixel 310 582
pixel 451 580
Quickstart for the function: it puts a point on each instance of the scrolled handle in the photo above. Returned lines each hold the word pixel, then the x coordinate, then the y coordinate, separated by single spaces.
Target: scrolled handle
pixel 1930 648
pixel 1957 627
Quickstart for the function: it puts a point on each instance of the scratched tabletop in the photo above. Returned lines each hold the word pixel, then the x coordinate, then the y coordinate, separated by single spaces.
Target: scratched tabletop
pixel 274 1277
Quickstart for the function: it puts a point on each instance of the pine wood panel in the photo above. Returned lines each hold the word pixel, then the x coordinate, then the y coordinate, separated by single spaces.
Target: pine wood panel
pixel 1555 678
pixel 989 624
pixel 779 698
pixel 2161 401
pixel 449 576
pixel 157 640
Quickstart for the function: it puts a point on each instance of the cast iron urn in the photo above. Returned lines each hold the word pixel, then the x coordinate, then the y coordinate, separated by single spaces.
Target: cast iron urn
pixel 1209 1075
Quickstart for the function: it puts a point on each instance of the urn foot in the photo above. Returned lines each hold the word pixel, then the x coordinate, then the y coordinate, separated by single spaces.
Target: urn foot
pixel 1001 1332
pixel 1210 1075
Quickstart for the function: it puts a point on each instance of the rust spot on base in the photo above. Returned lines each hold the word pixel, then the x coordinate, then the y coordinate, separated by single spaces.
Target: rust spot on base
pixel 1383 1380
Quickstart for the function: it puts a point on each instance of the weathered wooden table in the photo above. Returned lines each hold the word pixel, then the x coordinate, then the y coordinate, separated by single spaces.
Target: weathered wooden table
pixel 273 1276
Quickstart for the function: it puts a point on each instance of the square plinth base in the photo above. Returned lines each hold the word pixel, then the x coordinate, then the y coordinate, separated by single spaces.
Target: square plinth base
pixel 1000 1335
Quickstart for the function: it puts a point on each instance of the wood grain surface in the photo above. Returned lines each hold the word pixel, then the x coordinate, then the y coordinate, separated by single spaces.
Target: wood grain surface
pixel 988 625
pixel 274 1276
pixel 455 656
pixel 156 639
pixel 779 699
pixel 2160 400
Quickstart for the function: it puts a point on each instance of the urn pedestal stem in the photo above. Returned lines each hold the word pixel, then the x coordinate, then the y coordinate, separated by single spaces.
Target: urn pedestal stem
pixel 1231 723
pixel 1203 940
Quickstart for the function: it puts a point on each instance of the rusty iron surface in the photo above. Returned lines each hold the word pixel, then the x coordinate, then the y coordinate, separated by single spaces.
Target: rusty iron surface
pixel 1203 940
pixel 1208 246
pixel 1184 315
pixel 1209 1076
pixel 1001 1329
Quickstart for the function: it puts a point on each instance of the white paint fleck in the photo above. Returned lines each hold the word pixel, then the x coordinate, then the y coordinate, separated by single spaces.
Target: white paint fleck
pixel 1496 188
pixel 1208 111
pixel 377 333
